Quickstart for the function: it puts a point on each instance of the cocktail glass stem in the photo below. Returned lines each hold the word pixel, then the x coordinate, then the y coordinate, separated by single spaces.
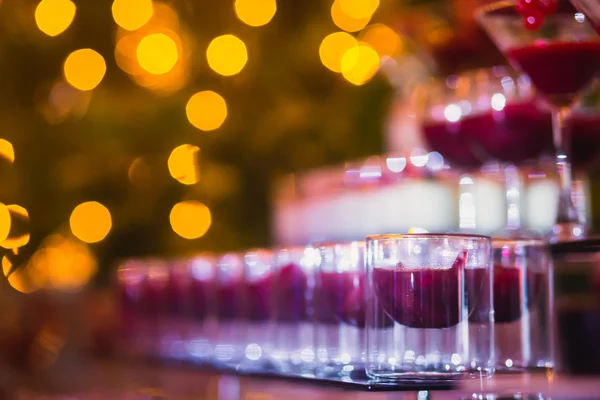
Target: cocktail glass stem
pixel 568 225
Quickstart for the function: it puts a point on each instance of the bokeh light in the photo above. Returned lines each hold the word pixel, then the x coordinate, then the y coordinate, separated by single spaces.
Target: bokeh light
pixel 140 173
pixel 190 219
pixel 84 69
pixel 7 151
pixel 227 55
pixel 383 39
pixel 346 22
pixel 157 53
pixel 5 221
pixel 206 110
pixel 183 164
pixel 21 282
pixel 64 102
pixel 255 12
pixel 90 222
pixel 132 14
pixel 19 229
pixel 53 17
pixel 358 9
pixel 61 263
pixel 360 64
pixel 333 48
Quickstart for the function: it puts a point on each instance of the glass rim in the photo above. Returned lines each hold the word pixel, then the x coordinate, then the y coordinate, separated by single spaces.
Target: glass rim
pixel 331 243
pixel 531 242
pixel 395 236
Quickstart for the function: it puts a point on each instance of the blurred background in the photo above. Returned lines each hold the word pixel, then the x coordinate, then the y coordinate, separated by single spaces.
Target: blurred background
pixel 139 127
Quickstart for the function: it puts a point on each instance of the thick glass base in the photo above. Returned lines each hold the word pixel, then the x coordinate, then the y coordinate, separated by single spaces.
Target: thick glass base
pixel 568 232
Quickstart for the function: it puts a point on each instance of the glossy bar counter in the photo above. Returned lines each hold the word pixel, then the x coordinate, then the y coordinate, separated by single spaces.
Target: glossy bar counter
pixel 99 381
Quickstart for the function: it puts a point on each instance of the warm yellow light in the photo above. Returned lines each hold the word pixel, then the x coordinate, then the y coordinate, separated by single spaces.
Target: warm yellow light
pixel 359 9
pixel 157 53
pixel 84 69
pixel 333 48
pixel 190 219
pixel 227 55
pixel 5 222
pixel 255 12
pixel 359 64
pixel 20 281
pixel 7 265
pixel 132 14
pixel 346 22
pixel 206 110
pixel 383 39
pixel 53 17
pixel 90 222
pixel 183 164
pixel 18 235
pixel 7 150
pixel 61 263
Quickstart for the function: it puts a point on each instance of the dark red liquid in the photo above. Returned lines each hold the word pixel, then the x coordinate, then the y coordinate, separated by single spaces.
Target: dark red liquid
pixel 585 139
pixel 431 298
pixel 178 292
pixel 507 292
pixel 227 300
pixel 519 132
pixel 200 298
pixel 290 291
pixel 257 299
pixel 547 66
pixel 341 298
pixel 155 294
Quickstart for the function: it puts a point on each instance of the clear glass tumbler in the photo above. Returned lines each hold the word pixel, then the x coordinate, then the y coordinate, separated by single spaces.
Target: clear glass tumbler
pixel 437 290
pixel 201 337
pixel 522 304
pixel 340 308
pixel 228 311
pixel 257 310
pixel 292 297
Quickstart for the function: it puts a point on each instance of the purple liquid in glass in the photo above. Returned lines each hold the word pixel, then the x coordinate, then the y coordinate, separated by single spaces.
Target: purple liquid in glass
pixel 227 296
pixel 341 298
pixel 421 297
pixel 290 294
pixel 257 299
pixel 557 80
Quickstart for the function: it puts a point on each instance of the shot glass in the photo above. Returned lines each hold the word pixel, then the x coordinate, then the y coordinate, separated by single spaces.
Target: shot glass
pixel 201 337
pixel 130 278
pixel 340 305
pixel 577 307
pixel 292 299
pixel 437 290
pixel 522 296
pixel 154 295
pixel 229 348
pixel 257 311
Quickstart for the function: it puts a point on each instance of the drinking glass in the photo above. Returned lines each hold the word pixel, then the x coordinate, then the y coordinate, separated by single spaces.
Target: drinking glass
pixel 154 306
pixel 437 290
pixel 340 308
pixel 130 278
pixel 201 338
pixel 522 304
pixel 487 116
pixel 577 307
pixel 559 50
pixel 292 299
pixel 257 310
pixel 227 306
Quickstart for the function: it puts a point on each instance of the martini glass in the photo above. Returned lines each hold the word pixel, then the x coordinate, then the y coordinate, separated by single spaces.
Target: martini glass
pixel 559 50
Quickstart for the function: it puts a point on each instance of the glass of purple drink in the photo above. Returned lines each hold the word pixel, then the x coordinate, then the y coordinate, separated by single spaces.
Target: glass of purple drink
pixel 257 310
pixel 130 278
pixel 292 300
pixel 522 304
pixel 577 307
pixel 437 290
pixel 201 339
pixel 340 308
pixel 557 47
pixel 226 302
pixel 154 306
